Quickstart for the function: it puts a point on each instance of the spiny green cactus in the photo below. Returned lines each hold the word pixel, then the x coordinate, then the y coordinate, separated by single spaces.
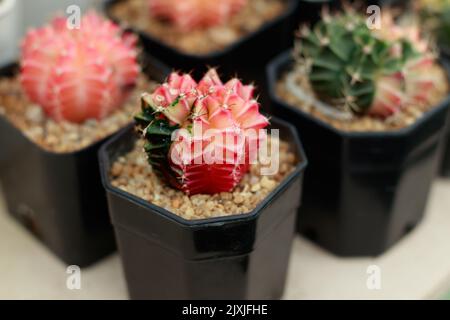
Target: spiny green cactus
pixel 157 131
pixel 227 110
pixel 351 66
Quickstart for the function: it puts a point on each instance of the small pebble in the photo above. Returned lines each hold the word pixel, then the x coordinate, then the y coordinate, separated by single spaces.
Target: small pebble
pixel 238 199
pixel 116 169
pixel 176 203
pixel 256 187
pixel 35 114
pixel 267 183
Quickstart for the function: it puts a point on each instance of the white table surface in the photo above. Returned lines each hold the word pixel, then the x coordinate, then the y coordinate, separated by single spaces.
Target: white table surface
pixel 416 268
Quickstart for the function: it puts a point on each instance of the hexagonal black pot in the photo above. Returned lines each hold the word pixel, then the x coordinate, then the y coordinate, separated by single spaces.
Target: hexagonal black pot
pixel 247 56
pixel 59 197
pixel 236 257
pixel 363 190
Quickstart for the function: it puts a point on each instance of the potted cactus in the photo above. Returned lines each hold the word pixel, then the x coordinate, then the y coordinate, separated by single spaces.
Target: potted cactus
pixel 370 106
pixel 73 89
pixel 192 223
pixel 194 34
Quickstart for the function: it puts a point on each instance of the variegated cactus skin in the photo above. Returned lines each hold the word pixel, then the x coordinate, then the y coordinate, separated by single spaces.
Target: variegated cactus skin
pixel 229 109
pixel 376 72
pixel 193 14
pixel 78 74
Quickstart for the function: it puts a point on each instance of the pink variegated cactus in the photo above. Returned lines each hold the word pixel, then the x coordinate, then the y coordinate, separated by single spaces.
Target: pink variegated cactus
pixel 229 111
pixel 77 74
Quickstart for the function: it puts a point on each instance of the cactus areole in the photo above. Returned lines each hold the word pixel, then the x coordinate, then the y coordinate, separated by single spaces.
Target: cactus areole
pixel 193 14
pixel 201 137
pixel 364 70
pixel 78 74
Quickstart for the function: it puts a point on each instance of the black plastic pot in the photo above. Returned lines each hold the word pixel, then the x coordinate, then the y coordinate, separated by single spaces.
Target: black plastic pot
pixel 363 190
pixel 445 165
pixel 445 162
pixel 59 196
pixel 246 57
pixel 309 11
pixel 445 52
pixel 235 257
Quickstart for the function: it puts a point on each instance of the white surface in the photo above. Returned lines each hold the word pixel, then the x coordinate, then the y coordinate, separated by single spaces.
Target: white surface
pixel 417 268
pixel 38 12
pixel 25 14
pixel 9 30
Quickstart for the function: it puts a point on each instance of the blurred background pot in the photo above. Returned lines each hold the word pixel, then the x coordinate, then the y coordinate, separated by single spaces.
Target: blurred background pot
pixel 247 56
pixel 59 197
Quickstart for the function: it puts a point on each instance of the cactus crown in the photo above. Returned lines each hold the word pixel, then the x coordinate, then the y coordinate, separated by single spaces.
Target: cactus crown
pixel 351 66
pixel 181 103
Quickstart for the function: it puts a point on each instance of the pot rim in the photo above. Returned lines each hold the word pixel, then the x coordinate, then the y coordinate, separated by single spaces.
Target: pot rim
pixel 147 59
pixel 6 6
pixel 273 70
pixel 290 10
pixel 105 165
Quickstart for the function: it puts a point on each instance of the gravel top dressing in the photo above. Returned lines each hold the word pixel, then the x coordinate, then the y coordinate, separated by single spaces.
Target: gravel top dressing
pixel 199 41
pixel 132 173
pixel 62 137
pixel 405 117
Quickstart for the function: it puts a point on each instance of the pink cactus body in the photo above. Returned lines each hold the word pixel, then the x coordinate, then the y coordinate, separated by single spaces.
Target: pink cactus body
pixel 223 119
pixel 191 14
pixel 78 74
pixel 420 79
pixel 415 80
pixel 389 97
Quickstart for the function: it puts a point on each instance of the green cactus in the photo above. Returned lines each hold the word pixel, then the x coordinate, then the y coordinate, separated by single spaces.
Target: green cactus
pixel 157 132
pixel 346 61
